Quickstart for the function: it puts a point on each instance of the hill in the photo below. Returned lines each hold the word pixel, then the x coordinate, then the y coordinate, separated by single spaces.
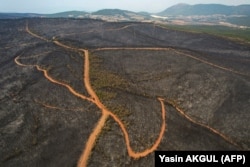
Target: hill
pixel 106 88
pixel 105 14
pixel 111 12
pixel 120 15
pixel 201 14
pixel 17 15
pixel 66 14
pixel 206 9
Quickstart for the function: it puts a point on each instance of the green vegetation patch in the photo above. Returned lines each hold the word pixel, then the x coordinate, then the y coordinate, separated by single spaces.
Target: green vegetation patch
pixel 103 81
pixel 222 31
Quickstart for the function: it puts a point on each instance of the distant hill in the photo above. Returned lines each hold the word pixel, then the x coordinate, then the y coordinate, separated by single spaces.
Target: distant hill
pixel 206 9
pixel 74 14
pixel 124 15
pixel 68 14
pixel 112 12
pixel 176 10
pixel 17 15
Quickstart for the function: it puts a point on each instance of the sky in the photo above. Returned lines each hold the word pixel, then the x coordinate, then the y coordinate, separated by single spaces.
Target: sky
pixel 54 6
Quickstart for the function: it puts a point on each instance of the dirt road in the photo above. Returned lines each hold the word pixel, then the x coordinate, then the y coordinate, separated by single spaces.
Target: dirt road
pixel 95 99
pixel 106 113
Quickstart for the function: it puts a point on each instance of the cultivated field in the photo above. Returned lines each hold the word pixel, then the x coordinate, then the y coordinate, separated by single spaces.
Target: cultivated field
pixel 94 93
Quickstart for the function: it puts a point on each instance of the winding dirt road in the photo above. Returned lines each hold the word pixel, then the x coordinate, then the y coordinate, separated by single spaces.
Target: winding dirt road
pixel 182 113
pixel 95 99
pixel 106 113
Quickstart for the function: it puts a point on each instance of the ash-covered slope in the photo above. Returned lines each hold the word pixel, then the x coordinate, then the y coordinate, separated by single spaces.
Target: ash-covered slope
pixel 131 65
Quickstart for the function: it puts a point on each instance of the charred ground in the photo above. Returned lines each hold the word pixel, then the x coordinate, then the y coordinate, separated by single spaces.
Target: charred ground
pixel 43 124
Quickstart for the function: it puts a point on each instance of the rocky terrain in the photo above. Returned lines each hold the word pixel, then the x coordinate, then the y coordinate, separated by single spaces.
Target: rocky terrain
pixel 189 90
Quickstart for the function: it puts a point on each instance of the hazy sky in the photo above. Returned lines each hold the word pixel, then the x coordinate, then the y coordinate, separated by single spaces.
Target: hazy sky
pixel 53 6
